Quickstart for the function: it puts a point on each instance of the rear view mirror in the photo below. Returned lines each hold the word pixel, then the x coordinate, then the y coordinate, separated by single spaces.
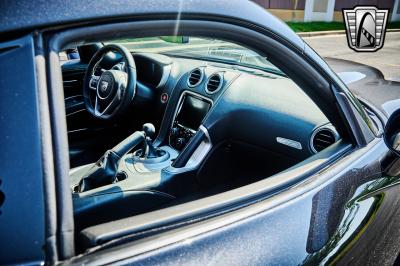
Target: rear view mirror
pixel 392 132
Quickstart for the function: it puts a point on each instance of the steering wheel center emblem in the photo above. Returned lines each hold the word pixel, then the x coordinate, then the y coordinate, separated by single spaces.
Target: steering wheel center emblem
pixel 104 86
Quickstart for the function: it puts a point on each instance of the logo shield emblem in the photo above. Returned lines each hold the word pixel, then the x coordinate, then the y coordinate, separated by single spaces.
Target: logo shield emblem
pixel 365 27
pixel 103 85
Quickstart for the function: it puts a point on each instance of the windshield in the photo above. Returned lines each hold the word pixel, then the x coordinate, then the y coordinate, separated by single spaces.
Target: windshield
pixel 201 48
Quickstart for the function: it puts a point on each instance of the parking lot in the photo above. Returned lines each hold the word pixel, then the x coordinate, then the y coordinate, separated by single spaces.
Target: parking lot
pixel 387 60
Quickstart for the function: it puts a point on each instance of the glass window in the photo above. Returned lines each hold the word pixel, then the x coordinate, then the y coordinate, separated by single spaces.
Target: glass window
pixel 201 48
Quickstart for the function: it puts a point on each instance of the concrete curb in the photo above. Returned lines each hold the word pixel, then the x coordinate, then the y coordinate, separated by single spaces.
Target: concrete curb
pixel 331 32
pixel 320 33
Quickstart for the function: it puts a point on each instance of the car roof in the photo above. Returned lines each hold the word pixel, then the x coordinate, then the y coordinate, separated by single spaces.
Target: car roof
pixel 27 15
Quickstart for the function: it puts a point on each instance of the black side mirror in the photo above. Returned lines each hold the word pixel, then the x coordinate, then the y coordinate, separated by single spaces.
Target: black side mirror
pixel 392 132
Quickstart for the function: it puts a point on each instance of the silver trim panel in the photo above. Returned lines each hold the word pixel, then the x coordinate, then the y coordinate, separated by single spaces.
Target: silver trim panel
pixel 201 151
pixel 289 142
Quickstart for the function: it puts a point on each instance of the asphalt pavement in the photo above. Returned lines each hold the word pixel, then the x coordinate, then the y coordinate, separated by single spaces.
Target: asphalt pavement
pixel 387 59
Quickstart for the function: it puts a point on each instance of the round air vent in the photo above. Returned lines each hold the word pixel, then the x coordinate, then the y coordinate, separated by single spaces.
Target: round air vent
pixel 214 83
pixel 321 139
pixel 195 77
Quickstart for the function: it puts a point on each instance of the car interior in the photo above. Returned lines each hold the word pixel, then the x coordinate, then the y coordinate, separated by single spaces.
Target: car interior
pixel 160 121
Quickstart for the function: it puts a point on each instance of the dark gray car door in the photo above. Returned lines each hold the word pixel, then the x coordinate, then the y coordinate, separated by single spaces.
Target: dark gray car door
pixel 22 206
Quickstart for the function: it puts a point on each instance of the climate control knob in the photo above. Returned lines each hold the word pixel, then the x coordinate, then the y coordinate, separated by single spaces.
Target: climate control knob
pixel 174 131
pixel 180 143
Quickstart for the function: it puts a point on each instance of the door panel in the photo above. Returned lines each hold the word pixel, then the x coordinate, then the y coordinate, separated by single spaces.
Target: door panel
pixel 22 204
pixel 347 214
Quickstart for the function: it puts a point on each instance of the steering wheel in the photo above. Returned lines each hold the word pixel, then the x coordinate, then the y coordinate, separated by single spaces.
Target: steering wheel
pixel 108 93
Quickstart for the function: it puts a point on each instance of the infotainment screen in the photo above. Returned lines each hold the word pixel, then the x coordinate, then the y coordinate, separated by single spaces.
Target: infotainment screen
pixel 192 112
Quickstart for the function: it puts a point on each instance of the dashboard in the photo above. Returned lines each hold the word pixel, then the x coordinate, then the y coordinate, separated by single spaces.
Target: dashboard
pixel 152 69
pixel 232 102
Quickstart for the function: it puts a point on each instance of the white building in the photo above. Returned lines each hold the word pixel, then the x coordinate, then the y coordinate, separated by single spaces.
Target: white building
pixel 323 10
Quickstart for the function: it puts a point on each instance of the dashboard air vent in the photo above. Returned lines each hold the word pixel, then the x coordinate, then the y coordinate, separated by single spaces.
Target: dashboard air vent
pixel 214 83
pixel 195 77
pixel 321 139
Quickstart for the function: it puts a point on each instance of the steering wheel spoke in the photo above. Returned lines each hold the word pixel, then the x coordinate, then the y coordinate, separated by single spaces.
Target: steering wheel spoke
pixel 101 109
pixel 94 80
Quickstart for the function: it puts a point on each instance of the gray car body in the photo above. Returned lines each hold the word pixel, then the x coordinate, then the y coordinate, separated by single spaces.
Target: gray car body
pixel 360 192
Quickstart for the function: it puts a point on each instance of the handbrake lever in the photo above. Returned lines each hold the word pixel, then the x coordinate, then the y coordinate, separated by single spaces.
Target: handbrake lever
pixel 104 171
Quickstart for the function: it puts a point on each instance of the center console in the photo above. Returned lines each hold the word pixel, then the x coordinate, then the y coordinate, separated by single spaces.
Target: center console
pixel 190 112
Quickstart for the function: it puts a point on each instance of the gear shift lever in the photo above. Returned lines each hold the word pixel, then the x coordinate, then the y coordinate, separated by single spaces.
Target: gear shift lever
pixel 149 154
pixel 105 170
pixel 148 151
pixel 149 130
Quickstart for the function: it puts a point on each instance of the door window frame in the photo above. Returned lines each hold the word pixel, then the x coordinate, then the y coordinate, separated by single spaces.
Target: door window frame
pixel 344 113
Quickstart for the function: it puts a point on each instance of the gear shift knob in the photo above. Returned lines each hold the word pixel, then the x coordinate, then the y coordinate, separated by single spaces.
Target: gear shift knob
pixel 149 130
